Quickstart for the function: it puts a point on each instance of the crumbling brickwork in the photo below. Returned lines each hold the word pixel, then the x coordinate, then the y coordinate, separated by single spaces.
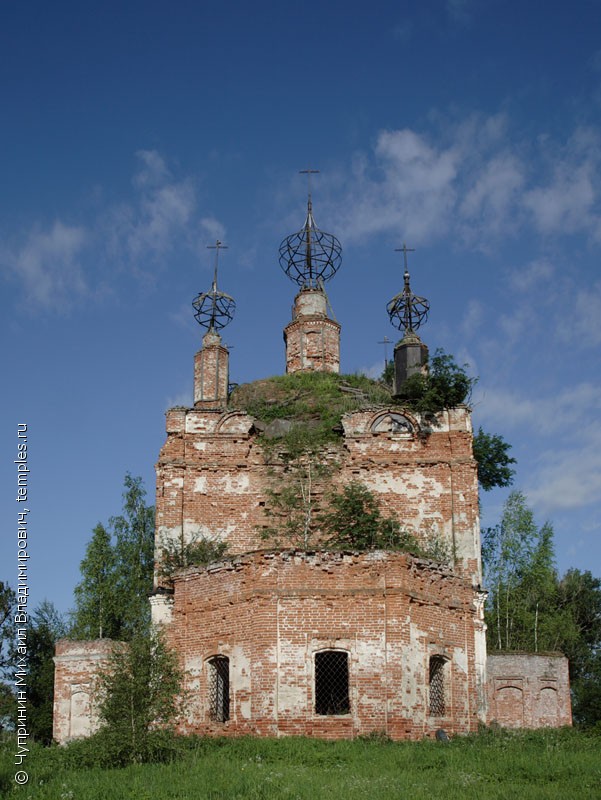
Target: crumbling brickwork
pixel 311 642
pixel 213 477
pixel 211 372
pixel 270 613
pixel 76 666
pixel 528 690
pixel 312 338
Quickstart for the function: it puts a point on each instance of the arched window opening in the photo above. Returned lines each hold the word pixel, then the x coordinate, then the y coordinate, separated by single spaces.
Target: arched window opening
pixel 437 686
pixel 332 683
pixel 219 688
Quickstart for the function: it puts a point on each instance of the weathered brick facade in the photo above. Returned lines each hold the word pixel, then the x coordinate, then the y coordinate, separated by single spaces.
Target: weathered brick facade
pixel 312 338
pixel 330 644
pixel 213 477
pixel 527 690
pixel 76 666
pixel 211 372
pixel 270 613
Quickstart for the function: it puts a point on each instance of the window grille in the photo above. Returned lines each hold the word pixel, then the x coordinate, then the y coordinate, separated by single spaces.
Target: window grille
pixel 437 687
pixel 219 688
pixel 331 683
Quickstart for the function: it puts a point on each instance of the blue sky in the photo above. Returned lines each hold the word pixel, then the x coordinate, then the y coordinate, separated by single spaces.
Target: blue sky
pixel 136 133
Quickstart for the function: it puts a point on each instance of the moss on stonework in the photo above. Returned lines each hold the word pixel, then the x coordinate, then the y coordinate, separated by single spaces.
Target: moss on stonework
pixel 312 403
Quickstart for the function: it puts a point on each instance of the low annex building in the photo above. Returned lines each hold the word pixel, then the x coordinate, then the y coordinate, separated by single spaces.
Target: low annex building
pixel 302 639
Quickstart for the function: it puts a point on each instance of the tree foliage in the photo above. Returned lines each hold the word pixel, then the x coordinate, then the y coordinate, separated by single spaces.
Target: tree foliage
pixel 291 501
pixel 354 520
pixel 443 385
pixel 8 601
pixel 96 600
pixel 349 517
pixel 519 569
pixel 578 600
pixel 45 628
pixel 491 452
pixel 181 554
pixel 117 572
pixel 531 608
pixel 140 696
pixel 134 556
pixel 309 404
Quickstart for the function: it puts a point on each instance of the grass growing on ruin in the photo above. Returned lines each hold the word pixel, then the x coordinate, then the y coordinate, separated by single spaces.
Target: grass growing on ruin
pixel 313 401
pixel 546 764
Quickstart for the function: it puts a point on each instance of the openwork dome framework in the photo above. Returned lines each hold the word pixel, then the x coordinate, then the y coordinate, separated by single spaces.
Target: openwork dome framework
pixel 214 309
pixel 407 311
pixel 310 257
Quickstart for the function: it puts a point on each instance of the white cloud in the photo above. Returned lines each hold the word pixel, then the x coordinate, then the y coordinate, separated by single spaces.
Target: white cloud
pixel 149 227
pixel 595 61
pixel 473 318
pixel 410 191
pixel 57 264
pixel 183 398
pixel 47 264
pixel 374 371
pixel 153 170
pixel 475 181
pixel 545 415
pixel 567 472
pixel 183 317
pixel 212 230
pixel 161 217
pixel 488 202
pixel 403 31
pixel 460 11
pixel 534 275
pixel 568 201
pixel 564 205
pixel 584 323
pixel 569 478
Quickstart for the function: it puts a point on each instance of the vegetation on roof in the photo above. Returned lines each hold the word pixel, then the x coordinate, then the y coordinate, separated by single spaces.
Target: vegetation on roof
pixel 302 412
pixel 311 397
pixel 444 385
pixel 311 404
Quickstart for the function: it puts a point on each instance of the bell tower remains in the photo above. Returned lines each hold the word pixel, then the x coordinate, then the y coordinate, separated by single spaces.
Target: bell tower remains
pixel 408 311
pixel 213 310
pixel 309 258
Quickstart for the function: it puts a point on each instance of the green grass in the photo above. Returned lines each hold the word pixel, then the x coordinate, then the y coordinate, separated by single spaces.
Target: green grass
pixel 547 764
pixel 313 401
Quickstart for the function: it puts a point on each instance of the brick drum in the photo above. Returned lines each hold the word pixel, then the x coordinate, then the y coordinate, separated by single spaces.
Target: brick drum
pixel 270 613
pixel 312 338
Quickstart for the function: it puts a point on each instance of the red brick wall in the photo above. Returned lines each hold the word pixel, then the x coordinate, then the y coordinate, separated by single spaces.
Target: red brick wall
pixel 527 690
pixel 213 478
pixel 312 339
pixel 76 665
pixel 270 612
pixel 211 373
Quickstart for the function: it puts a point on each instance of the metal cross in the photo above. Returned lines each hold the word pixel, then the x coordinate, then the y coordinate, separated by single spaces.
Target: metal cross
pixel 308 172
pixel 385 341
pixel 217 247
pixel 404 250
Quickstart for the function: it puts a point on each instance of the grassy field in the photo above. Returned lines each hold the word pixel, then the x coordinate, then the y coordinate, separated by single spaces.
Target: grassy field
pixel 548 764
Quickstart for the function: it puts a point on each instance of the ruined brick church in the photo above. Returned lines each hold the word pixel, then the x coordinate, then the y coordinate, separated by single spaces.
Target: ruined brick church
pixel 312 640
